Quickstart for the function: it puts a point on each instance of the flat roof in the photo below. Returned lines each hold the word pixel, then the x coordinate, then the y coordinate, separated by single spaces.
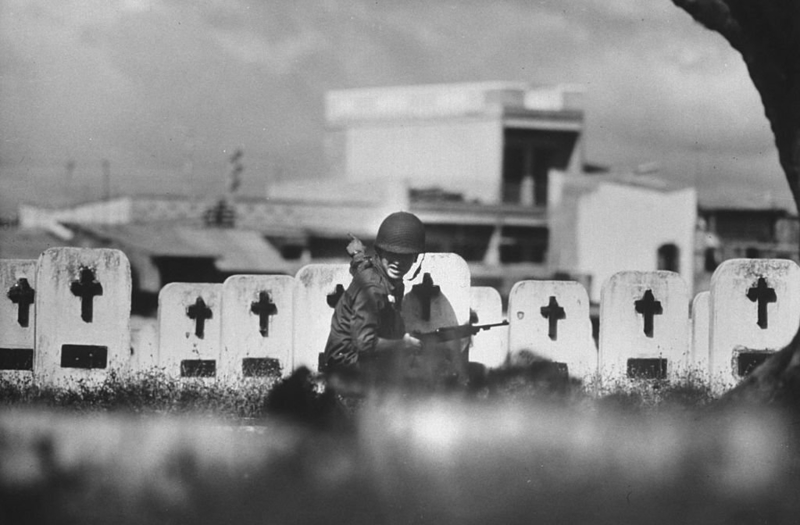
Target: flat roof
pixel 741 200
pixel 451 100
pixel 232 249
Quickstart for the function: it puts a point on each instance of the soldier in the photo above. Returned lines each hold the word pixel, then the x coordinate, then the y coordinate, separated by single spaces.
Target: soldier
pixel 366 327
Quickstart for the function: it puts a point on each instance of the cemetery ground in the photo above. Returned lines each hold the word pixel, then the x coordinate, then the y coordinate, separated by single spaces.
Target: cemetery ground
pixel 98 438
pixel 522 446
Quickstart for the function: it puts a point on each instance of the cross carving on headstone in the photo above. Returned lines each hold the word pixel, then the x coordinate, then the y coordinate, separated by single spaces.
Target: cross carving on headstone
pixel 426 291
pixel 22 295
pixel 648 307
pixel 764 295
pixel 263 308
pixel 199 312
pixel 553 312
pixel 335 295
pixel 86 287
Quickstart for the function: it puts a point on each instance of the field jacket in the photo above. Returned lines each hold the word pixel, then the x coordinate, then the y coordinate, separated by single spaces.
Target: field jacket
pixel 369 308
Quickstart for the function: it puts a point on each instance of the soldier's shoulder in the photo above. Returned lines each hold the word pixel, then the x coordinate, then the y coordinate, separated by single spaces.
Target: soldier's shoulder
pixel 369 277
pixel 367 274
pixel 359 262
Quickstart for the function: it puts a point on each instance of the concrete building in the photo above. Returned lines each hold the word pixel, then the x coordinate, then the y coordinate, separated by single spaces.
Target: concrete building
pixel 735 226
pixel 603 224
pixel 495 170
pixel 489 142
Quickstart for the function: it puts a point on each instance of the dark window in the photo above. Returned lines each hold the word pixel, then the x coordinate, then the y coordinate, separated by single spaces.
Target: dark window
pixel 745 225
pixel 528 157
pixel 291 252
pixel 668 257
pixel 187 270
pixel 523 244
pixel 328 248
pixel 710 262
pixel 468 241
pixel 752 253
pixel 291 248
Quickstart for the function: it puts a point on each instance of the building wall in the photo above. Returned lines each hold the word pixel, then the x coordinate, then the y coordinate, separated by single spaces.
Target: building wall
pixel 606 227
pixel 564 194
pixel 166 208
pixel 461 155
pixel 114 211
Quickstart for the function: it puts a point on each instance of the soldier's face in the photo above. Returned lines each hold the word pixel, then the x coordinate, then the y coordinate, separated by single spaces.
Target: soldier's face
pixel 396 265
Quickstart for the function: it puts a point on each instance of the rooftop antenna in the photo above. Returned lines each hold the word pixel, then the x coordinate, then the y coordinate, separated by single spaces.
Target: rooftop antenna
pixel 235 173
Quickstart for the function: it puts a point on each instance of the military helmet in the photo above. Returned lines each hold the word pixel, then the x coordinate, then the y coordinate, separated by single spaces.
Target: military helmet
pixel 401 232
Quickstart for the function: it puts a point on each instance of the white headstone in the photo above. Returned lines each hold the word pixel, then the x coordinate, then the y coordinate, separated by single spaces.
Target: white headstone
pixel 83 307
pixel 438 296
pixel 189 326
pixel 701 316
pixel 257 326
pixel 550 319
pixel 317 289
pixel 17 317
pixel 644 326
pixel 144 342
pixel 489 347
pixel 755 308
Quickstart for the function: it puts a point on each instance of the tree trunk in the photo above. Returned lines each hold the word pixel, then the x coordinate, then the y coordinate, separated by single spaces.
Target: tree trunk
pixel 767 34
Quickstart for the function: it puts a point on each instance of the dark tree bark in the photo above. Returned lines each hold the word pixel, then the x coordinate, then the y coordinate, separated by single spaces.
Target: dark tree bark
pixel 767 35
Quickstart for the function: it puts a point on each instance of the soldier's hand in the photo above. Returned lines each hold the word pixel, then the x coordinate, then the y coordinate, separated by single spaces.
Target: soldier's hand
pixel 355 246
pixel 412 344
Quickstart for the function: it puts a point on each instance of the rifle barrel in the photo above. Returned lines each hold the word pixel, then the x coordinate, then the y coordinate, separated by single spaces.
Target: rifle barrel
pixel 447 333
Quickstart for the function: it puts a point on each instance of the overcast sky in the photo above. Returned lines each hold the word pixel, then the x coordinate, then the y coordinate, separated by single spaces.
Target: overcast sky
pixel 148 84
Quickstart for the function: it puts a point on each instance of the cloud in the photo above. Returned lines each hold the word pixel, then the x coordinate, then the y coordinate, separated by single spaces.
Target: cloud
pixel 130 81
pixel 282 57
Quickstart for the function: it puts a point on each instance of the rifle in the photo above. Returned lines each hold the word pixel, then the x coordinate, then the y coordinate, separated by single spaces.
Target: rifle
pixel 451 333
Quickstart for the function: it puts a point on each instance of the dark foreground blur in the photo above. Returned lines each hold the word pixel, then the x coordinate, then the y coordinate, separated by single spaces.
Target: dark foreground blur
pixel 404 460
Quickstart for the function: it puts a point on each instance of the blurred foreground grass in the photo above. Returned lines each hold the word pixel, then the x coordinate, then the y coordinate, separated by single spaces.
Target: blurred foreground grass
pixel 516 450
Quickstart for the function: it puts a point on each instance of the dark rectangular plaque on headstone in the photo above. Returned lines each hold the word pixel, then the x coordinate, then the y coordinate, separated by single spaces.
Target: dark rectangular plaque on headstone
pixel 84 356
pixel 16 358
pixel 261 367
pixel 549 369
pixel 747 361
pixel 199 368
pixel 647 368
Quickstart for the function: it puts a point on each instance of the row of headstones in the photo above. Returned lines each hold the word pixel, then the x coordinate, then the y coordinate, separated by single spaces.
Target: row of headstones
pixel 67 317
pixel 649 327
